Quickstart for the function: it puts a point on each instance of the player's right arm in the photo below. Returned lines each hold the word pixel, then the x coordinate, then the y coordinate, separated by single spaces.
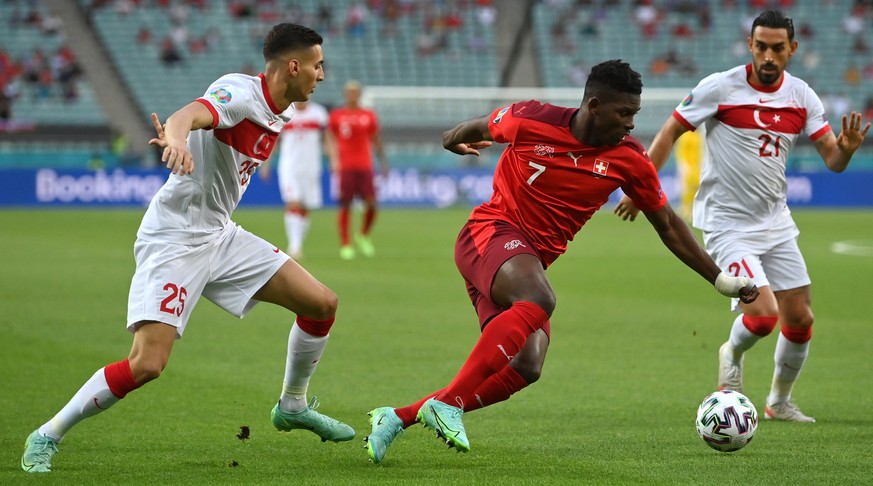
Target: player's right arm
pixel 467 137
pixel 678 238
pixel 193 116
pixel 659 153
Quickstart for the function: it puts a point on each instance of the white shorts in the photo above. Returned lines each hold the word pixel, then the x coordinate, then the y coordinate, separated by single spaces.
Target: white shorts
pixel 302 188
pixel 768 257
pixel 170 278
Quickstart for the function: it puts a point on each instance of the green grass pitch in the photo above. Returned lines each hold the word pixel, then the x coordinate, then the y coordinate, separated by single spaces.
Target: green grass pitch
pixel 634 346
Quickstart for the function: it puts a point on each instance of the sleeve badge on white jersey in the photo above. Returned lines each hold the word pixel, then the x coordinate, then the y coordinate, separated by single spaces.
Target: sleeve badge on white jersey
pixel 688 99
pixel 221 95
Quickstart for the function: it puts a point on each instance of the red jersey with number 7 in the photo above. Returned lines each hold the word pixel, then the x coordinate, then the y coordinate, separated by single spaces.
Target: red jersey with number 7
pixel 548 184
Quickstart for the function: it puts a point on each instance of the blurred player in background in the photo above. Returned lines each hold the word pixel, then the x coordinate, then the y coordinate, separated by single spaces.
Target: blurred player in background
pixel 689 156
pixel 353 135
pixel 299 169
pixel 560 167
pixel 187 246
pixel 754 114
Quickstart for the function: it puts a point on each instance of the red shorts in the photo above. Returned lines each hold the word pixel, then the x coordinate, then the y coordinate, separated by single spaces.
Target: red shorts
pixel 356 183
pixel 481 249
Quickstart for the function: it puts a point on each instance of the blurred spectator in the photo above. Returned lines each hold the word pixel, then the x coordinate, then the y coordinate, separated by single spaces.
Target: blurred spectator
pixel 659 66
pixel 356 19
pixel 324 18
pixel 390 17
pixel 66 71
pixel 853 23
pixel 859 45
pixel 5 100
pixel 144 35
pixel 646 16
pixel 806 31
pixel 170 54
pixel 241 8
pixel 810 58
pixel 852 76
pixel 486 13
pixel 426 42
pixel 682 30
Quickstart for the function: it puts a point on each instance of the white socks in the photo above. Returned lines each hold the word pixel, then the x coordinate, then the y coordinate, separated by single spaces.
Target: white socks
pixel 296 227
pixel 304 352
pixel 789 358
pixel 93 398
pixel 741 338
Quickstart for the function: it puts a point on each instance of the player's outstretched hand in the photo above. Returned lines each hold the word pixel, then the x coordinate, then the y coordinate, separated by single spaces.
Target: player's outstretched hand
pixel 177 157
pixel 160 140
pixel 625 209
pixel 471 148
pixel 851 136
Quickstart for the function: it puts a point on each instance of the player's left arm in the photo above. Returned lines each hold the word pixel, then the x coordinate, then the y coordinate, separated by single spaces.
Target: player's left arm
pixel 678 238
pixel 837 151
pixel 467 137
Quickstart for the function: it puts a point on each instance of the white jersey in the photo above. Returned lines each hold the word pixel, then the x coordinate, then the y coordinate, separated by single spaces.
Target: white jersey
pixel 300 142
pixel 194 208
pixel 749 132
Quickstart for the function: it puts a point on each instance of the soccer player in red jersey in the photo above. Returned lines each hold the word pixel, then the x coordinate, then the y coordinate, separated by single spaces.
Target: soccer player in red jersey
pixel 353 132
pixel 559 167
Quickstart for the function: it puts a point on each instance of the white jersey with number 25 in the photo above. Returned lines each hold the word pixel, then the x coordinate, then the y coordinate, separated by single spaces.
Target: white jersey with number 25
pixel 194 208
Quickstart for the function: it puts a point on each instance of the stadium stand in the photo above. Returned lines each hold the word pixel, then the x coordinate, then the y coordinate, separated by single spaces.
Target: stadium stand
pixel 168 51
pixel 218 39
pixel 676 43
pixel 38 72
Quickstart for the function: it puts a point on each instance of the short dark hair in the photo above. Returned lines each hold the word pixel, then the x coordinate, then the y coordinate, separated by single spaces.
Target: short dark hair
pixel 774 19
pixel 287 37
pixel 615 75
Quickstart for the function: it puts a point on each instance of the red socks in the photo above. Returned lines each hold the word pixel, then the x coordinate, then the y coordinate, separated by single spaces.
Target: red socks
pixel 369 217
pixel 315 327
pixel 760 325
pixel 499 387
pixel 502 338
pixel 119 378
pixel 343 223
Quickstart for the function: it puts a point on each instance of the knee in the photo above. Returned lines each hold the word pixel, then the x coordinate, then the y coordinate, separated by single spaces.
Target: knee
pixel 800 320
pixel 531 372
pixel 326 306
pixel 528 362
pixel 545 300
pixel 145 369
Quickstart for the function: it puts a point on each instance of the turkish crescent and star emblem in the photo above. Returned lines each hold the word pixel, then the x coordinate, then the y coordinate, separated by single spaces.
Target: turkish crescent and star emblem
pixel 600 166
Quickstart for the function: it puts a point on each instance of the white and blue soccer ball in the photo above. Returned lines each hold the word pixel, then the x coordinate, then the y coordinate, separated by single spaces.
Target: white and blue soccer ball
pixel 727 420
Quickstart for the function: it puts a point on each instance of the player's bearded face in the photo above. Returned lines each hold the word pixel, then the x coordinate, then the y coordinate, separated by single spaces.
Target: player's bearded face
pixel 771 50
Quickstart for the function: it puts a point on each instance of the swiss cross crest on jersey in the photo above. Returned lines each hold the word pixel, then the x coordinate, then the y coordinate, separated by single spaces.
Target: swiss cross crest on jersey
pixel 601 166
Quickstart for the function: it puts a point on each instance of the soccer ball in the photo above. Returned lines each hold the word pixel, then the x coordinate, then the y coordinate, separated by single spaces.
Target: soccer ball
pixel 727 420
